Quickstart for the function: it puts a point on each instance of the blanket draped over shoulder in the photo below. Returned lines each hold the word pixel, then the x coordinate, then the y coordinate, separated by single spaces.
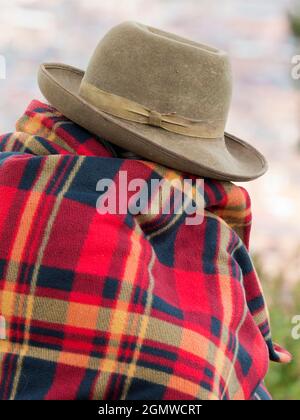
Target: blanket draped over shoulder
pixel 121 306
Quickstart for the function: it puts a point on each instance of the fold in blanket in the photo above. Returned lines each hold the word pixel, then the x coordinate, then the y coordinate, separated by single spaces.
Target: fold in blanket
pixel 121 306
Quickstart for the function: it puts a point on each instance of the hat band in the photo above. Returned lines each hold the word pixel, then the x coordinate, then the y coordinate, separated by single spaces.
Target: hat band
pixel 132 111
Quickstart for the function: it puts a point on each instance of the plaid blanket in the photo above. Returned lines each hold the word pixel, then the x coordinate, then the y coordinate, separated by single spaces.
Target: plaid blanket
pixel 120 306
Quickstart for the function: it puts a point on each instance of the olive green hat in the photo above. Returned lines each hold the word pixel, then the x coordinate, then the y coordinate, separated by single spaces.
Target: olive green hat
pixel 160 96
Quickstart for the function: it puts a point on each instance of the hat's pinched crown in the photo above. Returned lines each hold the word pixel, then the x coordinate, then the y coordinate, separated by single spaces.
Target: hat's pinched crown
pixel 162 72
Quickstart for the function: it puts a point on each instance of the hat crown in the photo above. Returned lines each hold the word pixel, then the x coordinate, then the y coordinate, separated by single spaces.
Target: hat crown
pixel 162 72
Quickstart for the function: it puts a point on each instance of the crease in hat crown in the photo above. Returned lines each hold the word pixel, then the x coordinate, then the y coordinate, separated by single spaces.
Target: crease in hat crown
pixel 160 74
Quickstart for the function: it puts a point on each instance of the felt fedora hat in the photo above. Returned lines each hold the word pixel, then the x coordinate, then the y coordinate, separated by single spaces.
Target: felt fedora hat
pixel 160 96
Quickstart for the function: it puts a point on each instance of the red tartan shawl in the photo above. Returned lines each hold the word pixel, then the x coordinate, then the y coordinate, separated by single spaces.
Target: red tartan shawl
pixel 120 306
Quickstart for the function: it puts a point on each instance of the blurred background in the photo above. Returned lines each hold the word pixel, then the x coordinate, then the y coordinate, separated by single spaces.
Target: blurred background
pixel 263 39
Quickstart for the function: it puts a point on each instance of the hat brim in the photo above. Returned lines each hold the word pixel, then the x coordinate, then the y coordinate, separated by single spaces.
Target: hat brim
pixel 228 158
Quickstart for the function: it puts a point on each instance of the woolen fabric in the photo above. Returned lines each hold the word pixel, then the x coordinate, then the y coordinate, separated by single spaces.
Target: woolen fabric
pixel 121 306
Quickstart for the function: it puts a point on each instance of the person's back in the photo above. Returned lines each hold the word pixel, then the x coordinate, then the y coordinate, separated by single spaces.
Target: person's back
pixel 107 304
